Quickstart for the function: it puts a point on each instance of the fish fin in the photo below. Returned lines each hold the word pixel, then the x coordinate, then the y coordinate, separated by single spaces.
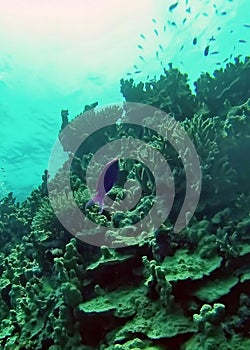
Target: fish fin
pixel 89 203
pixel 101 208
pixel 95 200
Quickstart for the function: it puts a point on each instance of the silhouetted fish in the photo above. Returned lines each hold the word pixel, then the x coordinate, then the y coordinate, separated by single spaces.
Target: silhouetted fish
pixel 246 25
pixel 173 6
pixel 156 32
pixel 140 47
pixel 141 58
pixel 242 41
pixel 161 47
pixel 105 182
pixel 206 51
pixel 142 36
pixel 214 53
pixel 212 38
pixel 194 41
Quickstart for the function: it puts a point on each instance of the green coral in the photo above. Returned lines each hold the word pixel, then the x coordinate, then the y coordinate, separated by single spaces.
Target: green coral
pixel 14 220
pixel 147 319
pixel 228 87
pixel 209 314
pixel 185 265
pixel 60 293
pixel 215 289
pixel 211 333
pixel 157 281
pixel 171 93
pixel 71 295
pixel 135 344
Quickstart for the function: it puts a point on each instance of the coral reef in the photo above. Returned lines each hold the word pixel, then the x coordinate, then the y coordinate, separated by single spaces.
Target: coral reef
pixel 171 93
pixel 160 290
pixel 227 88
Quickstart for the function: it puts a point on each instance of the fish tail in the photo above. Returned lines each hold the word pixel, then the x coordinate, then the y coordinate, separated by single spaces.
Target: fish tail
pixel 95 200
pixel 89 203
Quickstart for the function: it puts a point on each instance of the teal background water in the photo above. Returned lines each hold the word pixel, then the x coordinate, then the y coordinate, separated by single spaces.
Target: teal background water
pixel 65 54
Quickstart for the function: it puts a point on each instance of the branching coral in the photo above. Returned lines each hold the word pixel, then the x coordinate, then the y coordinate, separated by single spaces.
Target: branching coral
pixel 58 292
pixel 171 93
pixel 227 88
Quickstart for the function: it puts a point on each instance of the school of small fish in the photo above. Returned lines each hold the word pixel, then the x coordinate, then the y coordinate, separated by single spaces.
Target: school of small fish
pixel 207 50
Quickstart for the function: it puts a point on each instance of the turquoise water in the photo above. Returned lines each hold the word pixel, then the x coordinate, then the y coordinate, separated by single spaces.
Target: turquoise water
pixel 131 230
pixel 53 59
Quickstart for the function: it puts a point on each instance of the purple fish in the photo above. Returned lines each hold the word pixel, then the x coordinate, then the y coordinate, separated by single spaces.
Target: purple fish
pixel 105 182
